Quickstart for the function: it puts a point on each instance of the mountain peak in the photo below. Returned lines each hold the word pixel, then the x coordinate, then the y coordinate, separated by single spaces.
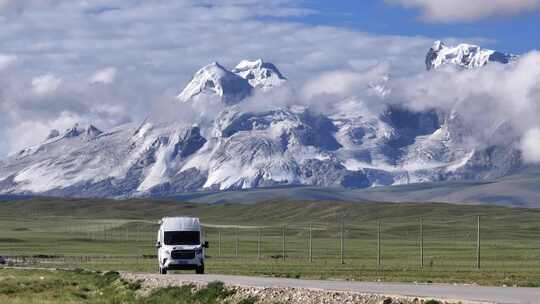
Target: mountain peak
pixel 77 130
pixel 73 131
pixel 91 131
pixel 214 79
pixel 438 45
pixel 464 55
pixel 232 86
pixel 259 74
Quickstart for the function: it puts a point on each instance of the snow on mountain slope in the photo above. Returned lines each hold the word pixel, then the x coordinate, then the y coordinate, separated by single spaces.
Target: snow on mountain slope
pixel 214 79
pixel 353 146
pixel 126 160
pixel 464 55
pixel 83 133
pixel 499 154
pixel 259 74
pixel 232 86
pixel 62 161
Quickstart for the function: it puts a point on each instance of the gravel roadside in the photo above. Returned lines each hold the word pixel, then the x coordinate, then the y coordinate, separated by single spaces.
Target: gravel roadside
pixel 274 295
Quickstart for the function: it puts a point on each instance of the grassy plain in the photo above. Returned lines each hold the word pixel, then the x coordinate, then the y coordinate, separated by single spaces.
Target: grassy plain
pixel 119 235
pixel 29 286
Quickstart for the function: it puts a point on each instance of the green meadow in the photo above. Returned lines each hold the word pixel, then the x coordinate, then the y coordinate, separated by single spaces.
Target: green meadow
pixel 346 242
pixel 29 286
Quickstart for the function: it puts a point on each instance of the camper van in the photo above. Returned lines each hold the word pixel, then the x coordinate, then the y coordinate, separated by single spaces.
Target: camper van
pixel 180 245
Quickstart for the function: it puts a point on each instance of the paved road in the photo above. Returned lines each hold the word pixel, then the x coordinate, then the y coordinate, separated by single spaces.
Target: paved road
pixel 501 295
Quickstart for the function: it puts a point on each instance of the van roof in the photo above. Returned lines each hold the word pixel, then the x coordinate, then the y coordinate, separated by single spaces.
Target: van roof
pixel 180 224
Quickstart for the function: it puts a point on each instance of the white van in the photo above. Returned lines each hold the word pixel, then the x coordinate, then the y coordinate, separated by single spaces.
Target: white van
pixel 180 245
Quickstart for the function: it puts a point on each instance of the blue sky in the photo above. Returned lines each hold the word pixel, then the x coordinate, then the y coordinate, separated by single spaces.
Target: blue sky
pixel 108 62
pixel 515 34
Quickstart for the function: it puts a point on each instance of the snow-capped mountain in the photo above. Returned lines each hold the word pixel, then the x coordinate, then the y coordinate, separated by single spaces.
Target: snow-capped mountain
pixel 232 86
pixel 351 147
pixel 259 74
pixel 214 79
pixel 464 56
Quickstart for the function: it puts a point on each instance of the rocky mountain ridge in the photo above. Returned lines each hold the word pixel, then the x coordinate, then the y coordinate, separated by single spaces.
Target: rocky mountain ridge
pixel 352 148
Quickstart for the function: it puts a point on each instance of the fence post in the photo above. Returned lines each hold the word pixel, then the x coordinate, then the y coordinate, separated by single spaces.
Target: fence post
pixel 478 242
pixel 259 239
pixel 283 242
pixel 236 242
pixel 342 249
pixel 310 243
pixel 379 244
pixel 421 242
pixel 219 242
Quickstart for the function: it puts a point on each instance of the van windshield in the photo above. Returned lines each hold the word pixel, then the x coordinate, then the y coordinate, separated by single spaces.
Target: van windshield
pixel 182 238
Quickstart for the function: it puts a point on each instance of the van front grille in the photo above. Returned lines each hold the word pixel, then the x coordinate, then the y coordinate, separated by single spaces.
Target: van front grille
pixel 183 254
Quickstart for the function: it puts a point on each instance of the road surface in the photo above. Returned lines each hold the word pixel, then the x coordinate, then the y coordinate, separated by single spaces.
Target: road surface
pixel 501 295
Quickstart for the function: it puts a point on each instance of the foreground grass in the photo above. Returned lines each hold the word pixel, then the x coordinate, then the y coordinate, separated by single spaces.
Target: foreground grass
pixel 80 286
pixel 119 235
pixel 35 286
pixel 214 292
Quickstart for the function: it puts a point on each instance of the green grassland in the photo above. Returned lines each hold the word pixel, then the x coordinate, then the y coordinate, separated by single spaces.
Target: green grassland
pixel 120 234
pixel 81 286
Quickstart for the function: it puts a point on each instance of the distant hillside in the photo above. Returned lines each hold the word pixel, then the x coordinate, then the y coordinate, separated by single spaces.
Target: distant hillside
pixel 517 190
pixel 264 213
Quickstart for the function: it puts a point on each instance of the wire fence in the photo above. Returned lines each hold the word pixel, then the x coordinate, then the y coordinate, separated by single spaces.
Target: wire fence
pixel 376 241
pixel 459 243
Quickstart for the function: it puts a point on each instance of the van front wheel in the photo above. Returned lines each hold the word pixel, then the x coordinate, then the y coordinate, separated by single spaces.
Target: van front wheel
pixel 199 269
pixel 162 270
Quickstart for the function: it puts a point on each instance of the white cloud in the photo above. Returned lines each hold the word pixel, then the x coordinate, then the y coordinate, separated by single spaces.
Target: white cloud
pixel 16 7
pixel 19 137
pixel 46 84
pixel 484 98
pixel 508 90
pixel 158 45
pixel 468 10
pixel 8 7
pixel 343 83
pixel 7 60
pixel 530 145
pixel 104 76
pixel 6 3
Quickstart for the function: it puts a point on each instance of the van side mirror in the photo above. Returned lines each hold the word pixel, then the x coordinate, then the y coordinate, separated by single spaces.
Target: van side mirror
pixel 205 245
pixel 158 245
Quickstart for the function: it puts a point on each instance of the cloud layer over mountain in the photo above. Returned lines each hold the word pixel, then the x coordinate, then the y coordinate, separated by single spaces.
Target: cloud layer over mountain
pixel 109 62
pixel 465 10
pixel 154 47
pixel 484 98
